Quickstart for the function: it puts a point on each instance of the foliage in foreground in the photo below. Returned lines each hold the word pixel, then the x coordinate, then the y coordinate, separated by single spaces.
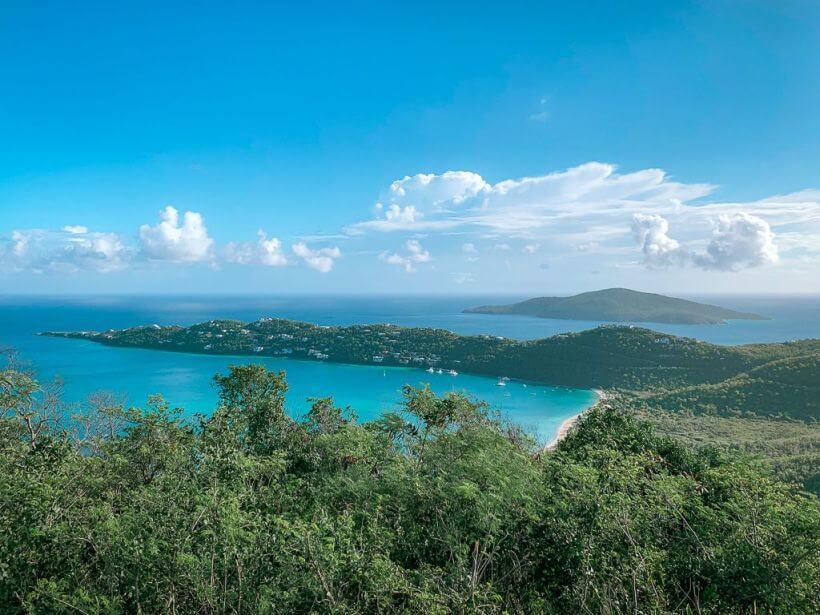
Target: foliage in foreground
pixel 439 508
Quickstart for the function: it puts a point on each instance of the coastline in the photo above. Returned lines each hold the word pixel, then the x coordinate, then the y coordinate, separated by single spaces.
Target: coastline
pixel 569 423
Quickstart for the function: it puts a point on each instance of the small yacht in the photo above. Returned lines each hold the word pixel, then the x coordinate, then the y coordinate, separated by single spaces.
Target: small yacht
pixel 430 370
pixel 453 372
pixel 440 371
pixel 501 383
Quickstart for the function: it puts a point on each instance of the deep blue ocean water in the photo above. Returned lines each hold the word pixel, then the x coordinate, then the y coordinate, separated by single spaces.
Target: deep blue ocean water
pixel 184 379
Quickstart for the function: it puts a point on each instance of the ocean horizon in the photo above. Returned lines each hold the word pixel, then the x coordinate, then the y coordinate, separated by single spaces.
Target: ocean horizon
pixel 184 379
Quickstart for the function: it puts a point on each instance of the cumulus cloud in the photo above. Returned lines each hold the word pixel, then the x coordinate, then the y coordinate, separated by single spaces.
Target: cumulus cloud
pixel 413 254
pixel 264 251
pixel 66 251
pixel 321 259
pixel 659 249
pixel 171 241
pixel 398 215
pixel 738 241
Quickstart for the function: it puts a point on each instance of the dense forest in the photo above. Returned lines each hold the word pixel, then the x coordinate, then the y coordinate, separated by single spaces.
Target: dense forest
pixel 438 507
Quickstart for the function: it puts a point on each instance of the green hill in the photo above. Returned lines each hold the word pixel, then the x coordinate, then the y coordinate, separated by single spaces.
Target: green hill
pixel 665 371
pixel 786 387
pixel 619 305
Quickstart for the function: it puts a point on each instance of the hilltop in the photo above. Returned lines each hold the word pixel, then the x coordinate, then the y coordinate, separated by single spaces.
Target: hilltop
pixel 620 305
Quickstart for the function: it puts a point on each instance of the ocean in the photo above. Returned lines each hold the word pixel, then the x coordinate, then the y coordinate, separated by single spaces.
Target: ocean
pixel 185 379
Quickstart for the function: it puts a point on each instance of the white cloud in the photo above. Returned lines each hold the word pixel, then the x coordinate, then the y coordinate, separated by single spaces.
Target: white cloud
pixel 64 251
pixel 264 252
pixel 531 248
pixel 526 206
pixel 413 254
pixel 739 241
pixel 420 255
pixel 75 229
pixel 588 210
pixel 471 251
pixel 659 249
pixel 171 241
pixel 399 215
pixel 321 259
pixel 426 190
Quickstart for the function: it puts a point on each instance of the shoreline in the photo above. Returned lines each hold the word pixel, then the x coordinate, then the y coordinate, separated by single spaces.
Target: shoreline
pixel 569 423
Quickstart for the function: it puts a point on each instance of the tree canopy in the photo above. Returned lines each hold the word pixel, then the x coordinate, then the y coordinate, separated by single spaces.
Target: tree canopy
pixel 438 507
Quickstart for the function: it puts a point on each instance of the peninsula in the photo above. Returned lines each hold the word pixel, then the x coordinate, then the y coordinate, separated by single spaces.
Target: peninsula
pixel 677 370
pixel 620 305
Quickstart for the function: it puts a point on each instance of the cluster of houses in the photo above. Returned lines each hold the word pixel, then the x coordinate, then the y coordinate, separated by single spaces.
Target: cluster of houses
pixel 379 346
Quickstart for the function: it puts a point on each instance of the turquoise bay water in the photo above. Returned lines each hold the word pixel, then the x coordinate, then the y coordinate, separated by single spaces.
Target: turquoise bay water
pixel 184 379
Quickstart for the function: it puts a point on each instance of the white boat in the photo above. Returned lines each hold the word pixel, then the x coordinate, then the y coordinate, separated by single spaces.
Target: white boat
pixel 501 383
pixel 453 372
pixel 440 371
pixel 430 370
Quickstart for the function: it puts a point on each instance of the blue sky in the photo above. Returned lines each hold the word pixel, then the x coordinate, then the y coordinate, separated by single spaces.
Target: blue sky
pixel 432 148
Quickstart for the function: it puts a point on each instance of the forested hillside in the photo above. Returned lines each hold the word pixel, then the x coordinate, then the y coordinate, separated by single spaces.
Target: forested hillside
pixel 775 379
pixel 439 507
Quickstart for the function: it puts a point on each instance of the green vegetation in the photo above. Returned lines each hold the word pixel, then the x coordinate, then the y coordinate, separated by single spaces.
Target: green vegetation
pixel 665 371
pixel 791 449
pixel 437 508
pixel 620 305
pixel 786 387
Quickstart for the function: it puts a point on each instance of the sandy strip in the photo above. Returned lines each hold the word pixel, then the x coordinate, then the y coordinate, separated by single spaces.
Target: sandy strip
pixel 565 427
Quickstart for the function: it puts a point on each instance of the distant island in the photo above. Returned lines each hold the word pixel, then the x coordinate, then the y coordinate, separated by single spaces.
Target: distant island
pixel 679 371
pixel 620 305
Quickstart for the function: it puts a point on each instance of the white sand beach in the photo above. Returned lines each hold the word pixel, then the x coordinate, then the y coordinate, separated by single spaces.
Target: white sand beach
pixel 568 424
